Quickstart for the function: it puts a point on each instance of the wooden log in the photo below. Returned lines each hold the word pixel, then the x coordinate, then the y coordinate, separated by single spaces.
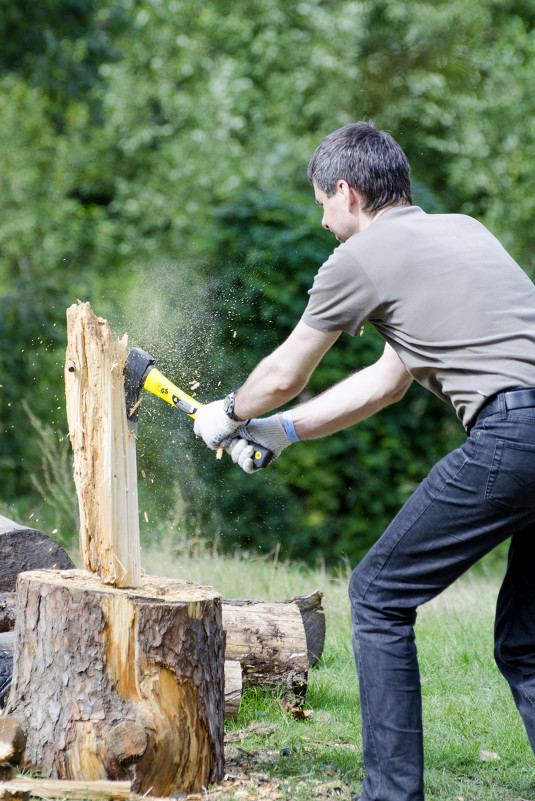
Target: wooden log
pixel 314 623
pixel 8 792
pixel 268 639
pixel 25 787
pixel 119 683
pixel 105 470
pixel 103 790
pixel 233 688
pixel 23 548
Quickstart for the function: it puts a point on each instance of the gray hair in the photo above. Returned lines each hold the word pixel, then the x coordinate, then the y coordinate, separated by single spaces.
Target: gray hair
pixel 371 161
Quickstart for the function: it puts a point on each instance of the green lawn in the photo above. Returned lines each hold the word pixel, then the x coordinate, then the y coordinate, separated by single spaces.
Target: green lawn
pixel 476 747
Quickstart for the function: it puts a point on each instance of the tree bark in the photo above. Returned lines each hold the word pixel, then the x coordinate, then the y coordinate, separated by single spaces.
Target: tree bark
pixel 117 683
pixel 105 471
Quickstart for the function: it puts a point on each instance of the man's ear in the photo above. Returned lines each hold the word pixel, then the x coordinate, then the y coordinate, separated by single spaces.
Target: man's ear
pixel 351 196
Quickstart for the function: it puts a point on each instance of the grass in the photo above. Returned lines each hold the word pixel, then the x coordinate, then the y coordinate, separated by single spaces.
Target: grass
pixel 476 746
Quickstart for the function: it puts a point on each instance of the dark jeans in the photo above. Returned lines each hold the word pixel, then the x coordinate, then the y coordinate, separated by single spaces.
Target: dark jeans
pixel 473 499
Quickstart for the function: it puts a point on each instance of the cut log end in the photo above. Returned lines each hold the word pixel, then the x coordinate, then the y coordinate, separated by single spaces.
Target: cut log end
pixel 314 623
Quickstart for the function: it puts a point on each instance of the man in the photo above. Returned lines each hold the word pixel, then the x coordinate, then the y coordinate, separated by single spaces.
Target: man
pixel 458 316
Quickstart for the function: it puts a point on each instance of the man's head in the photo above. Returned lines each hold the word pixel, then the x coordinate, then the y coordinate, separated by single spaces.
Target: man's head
pixel 370 161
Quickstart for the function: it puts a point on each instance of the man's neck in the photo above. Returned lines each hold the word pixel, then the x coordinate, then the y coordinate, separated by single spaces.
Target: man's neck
pixel 380 212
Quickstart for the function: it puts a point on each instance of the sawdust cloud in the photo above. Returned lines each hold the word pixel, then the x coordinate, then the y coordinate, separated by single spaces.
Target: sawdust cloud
pixel 168 312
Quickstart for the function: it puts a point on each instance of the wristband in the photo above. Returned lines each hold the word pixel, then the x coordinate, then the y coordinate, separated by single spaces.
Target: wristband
pixel 288 423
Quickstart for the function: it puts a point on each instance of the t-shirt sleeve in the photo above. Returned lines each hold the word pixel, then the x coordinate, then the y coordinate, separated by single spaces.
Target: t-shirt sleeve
pixel 342 296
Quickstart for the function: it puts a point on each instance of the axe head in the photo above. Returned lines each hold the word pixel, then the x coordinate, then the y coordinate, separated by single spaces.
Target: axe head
pixel 138 365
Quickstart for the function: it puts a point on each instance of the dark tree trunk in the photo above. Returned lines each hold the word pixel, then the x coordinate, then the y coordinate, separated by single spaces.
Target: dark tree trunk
pixel 24 548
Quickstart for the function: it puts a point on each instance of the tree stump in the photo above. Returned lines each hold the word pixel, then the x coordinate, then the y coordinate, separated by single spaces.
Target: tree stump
pixel 119 683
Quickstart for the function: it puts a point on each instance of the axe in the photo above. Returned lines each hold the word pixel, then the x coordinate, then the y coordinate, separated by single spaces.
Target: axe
pixel 140 373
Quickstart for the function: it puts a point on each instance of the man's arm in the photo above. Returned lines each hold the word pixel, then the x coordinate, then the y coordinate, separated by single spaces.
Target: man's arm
pixel 353 399
pixel 357 397
pixel 275 380
pixel 284 373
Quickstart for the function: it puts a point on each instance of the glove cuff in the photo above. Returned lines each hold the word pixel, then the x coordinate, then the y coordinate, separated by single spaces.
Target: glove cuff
pixel 288 423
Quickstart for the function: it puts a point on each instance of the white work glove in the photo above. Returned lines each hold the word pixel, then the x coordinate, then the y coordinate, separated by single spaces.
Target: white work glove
pixel 214 425
pixel 266 431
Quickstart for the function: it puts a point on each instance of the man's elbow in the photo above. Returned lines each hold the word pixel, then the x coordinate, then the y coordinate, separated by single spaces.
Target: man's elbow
pixel 288 385
pixel 399 390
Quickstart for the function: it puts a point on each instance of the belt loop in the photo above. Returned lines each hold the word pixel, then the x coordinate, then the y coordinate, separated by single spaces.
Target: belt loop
pixel 502 405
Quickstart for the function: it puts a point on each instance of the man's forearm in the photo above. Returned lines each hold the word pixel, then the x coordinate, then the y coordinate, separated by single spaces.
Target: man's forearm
pixel 341 406
pixel 266 389
pixel 354 399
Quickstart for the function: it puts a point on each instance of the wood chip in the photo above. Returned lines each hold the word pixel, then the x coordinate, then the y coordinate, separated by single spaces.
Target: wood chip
pixel 488 756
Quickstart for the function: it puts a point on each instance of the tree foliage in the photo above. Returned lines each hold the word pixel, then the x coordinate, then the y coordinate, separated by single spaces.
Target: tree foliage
pixel 154 156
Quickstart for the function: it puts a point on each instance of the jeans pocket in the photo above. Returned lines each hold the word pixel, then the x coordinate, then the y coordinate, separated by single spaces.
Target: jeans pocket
pixel 511 482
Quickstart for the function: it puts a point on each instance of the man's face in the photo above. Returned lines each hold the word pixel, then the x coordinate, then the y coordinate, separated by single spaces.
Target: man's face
pixel 338 212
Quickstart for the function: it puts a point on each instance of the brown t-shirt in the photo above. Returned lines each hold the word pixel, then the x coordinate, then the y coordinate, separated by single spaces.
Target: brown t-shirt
pixel 441 289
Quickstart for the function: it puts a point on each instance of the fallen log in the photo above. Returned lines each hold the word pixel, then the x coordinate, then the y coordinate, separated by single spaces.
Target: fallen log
pixel 269 641
pixel 23 548
pixel 103 790
pixel 25 787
